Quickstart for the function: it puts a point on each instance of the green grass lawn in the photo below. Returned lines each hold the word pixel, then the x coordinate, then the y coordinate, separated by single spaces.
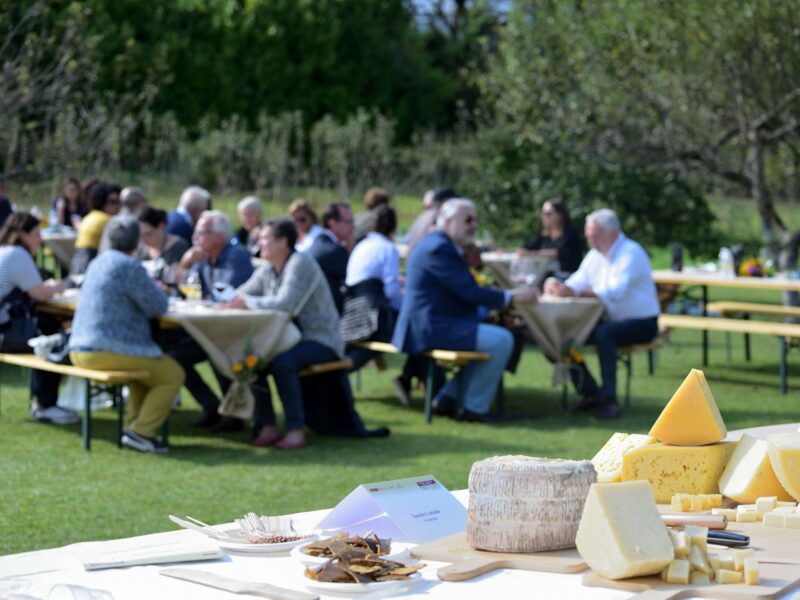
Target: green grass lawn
pixel 54 493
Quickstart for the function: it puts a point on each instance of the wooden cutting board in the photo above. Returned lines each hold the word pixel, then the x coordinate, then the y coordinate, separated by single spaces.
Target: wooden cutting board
pixel 466 562
pixel 776 580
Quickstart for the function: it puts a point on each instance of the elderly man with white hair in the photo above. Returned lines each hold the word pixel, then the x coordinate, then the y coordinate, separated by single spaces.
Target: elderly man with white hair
pixel 617 272
pixel 219 261
pixel 181 222
pixel 440 310
pixel 249 211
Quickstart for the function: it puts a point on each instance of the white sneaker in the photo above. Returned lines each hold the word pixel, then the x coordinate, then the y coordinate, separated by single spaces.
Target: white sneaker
pixel 131 439
pixel 55 415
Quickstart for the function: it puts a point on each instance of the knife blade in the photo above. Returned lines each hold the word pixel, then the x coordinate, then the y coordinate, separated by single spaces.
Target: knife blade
pixel 237 586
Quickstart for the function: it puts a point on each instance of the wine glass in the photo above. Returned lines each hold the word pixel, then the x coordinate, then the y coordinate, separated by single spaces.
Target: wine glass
pixel 523 271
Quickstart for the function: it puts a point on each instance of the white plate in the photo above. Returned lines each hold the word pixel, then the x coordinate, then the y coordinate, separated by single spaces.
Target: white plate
pixel 399 551
pixel 353 589
pixel 261 548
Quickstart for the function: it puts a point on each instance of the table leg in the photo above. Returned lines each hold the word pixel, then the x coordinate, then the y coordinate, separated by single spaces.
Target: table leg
pixel 783 365
pixel 705 331
pixel 87 418
pixel 429 390
pixel 746 316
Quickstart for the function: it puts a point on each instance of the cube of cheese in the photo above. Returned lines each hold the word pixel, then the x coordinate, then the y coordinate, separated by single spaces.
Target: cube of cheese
pixel 749 474
pixel 713 561
pixel 716 500
pixel 793 521
pixel 698 536
pixel 727 576
pixel 678 571
pixel 774 519
pixel 621 533
pixel 751 576
pixel 680 543
pixel 608 460
pixel 726 562
pixel 740 555
pixel 729 513
pixel 766 504
pixel 677 469
pixel 696 577
pixel 691 417
pixel 782 504
pixel 786 510
pixel 697 558
pixel 697 502
pixel 746 516
pixel 784 456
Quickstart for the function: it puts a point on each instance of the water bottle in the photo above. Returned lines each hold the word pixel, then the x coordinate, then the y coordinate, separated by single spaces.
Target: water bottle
pixel 726 267
pixel 52 218
pixel 677 257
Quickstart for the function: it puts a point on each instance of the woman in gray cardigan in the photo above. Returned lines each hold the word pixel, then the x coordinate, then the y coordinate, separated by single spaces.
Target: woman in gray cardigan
pixel 291 282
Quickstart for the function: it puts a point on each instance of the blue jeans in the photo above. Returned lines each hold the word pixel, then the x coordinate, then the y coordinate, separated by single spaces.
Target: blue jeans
pixel 608 336
pixel 285 368
pixel 479 379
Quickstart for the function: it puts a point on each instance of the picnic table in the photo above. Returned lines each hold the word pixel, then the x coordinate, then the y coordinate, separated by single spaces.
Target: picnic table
pixel 61 244
pixel 37 572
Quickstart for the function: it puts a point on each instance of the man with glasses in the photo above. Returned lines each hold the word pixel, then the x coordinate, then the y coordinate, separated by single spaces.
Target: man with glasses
pixel 440 310
pixel 331 248
pixel 214 256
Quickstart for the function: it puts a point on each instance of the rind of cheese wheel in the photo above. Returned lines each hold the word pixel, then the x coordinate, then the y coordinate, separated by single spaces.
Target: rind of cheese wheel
pixel 784 456
pixel 678 469
pixel 749 474
pixel 526 504
pixel 608 461
pixel 691 417
pixel 621 533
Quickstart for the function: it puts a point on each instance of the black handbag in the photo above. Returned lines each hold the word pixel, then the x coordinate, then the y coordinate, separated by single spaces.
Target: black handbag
pixel 22 323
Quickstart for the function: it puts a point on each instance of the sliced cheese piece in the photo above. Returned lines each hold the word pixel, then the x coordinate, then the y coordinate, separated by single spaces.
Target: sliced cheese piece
pixel 691 417
pixel 749 474
pixel 678 469
pixel 608 460
pixel 697 558
pixel 729 513
pixel 713 561
pixel 774 519
pixel 784 456
pixel 621 533
pixel 793 521
pixel 678 571
pixel 727 576
pixel 699 578
pixel 740 555
pixel 680 543
pixel 766 504
pixel 789 504
pixel 751 576
pixel 726 562
pixel 526 504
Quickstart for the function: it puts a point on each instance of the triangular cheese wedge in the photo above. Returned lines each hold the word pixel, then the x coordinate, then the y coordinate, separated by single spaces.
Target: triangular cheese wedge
pixel 608 460
pixel 784 456
pixel 691 417
pixel 749 474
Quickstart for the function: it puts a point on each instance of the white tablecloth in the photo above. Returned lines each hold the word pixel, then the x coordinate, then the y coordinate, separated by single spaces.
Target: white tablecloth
pixel 42 569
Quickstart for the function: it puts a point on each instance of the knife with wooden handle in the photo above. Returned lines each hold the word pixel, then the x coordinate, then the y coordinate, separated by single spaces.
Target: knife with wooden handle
pixel 236 586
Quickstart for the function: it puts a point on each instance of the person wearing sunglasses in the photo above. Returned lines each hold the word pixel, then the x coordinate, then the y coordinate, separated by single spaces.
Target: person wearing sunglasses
pixel 105 203
pixel 305 220
pixel 440 311
pixel 557 239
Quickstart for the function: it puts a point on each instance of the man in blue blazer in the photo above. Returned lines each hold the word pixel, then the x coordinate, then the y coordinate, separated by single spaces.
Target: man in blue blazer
pixel 440 310
pixel 194 200
pixel 331 247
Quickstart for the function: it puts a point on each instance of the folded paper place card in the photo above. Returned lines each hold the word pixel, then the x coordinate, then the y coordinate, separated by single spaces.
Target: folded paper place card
pixel 153 549
pixel 415 510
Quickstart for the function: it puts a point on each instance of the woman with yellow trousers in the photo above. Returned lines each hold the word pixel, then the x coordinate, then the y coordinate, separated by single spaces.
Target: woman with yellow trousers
pixel 111 331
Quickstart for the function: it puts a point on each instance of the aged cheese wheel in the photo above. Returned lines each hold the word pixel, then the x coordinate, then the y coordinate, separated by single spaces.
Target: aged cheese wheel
pixel 525 504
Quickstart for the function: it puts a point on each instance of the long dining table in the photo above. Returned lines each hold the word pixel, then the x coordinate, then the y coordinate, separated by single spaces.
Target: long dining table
pixel 690 277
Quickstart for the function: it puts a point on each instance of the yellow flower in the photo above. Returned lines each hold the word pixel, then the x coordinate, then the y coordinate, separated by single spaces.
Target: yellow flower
pixel 251 361
pixel 237 367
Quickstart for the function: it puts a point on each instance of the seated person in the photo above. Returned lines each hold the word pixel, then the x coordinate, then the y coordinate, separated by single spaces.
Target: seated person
pixel 104 201
pixel 214 256
pixel 132 201
pixel 70 206
pixel 159 246
pixel 374 198
pixel 426 221
pixel 111 331
pixel 332 247
pixel 557 239
pixel 249 211
pixel 181 221
pixel 305 220
pixel 440 310
pixel 292 282
pixel 617 272
pixel 20 238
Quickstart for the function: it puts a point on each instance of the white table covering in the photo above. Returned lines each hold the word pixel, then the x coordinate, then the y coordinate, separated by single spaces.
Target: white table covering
pixel 42 569
pixel 61 243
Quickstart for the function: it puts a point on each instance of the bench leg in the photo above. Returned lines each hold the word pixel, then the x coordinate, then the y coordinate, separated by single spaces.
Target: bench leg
pixel 429 390
pixel 651 362
pixel 746 317
pixel 501 399
pixel 87 418
pixel 728 347
pixel 120 402
pixel 628 366
pixel 783 365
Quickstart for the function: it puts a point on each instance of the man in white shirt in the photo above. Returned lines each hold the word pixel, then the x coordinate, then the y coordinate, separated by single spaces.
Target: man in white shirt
pixel 617 272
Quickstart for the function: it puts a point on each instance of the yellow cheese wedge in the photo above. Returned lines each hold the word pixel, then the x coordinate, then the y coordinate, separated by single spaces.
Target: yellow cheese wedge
pixel 621 533
pixel 691 417
pixel 608 460
pixel 749 474
pixel 784 455
pixel 678 469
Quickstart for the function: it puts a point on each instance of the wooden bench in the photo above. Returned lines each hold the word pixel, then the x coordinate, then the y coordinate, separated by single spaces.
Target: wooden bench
pixel 448 359
pixel 782 331
pixel 745 309
pixel 110 381
pixel 335 365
